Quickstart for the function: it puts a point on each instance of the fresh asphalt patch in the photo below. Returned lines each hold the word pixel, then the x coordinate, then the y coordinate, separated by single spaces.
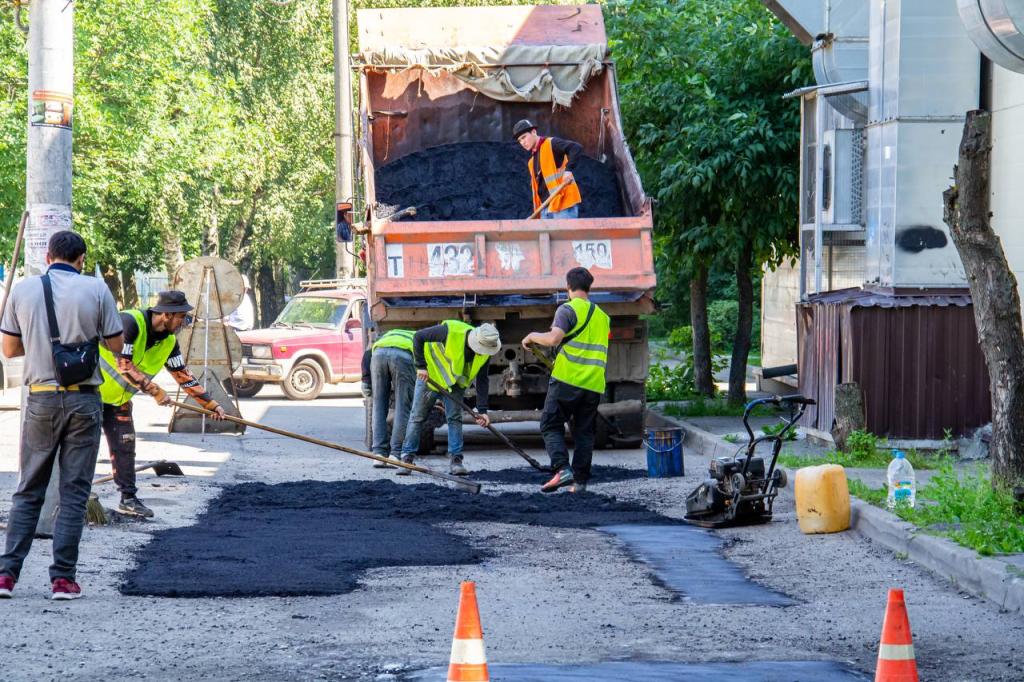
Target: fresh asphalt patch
pixel 528 476
pixel 317 537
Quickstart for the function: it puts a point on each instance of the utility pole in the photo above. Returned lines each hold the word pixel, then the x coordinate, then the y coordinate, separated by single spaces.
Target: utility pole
pixel 51 70
pixel 343 192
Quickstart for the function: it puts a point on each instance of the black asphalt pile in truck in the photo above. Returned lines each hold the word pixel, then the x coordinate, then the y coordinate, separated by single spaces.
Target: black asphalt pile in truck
pixel 483 181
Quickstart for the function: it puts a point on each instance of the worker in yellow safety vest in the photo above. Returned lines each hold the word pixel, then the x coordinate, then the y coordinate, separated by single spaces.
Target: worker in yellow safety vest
pixel 149 346
pixel 580 333
pixel 450 356
pixel 551 162
pixel 388 371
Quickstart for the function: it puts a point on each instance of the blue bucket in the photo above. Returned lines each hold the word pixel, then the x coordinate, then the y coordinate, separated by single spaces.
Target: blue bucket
pixel 664 452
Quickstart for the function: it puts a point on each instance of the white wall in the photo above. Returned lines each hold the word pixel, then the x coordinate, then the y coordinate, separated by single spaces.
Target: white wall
pixel 780 292
pixel 1008 165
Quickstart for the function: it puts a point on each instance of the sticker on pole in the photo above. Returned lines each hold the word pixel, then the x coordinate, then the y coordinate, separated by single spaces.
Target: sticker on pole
pixel 595 253
pixel 50 109
pixel 394 257
pixel 44 220
pixel 451 259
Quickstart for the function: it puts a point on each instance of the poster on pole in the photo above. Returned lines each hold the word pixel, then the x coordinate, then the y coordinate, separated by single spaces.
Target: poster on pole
pixel 50 109
pixel 44 220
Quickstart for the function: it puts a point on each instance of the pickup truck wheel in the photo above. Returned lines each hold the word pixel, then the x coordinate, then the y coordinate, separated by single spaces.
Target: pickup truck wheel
pixel 304 382
pixel 243 388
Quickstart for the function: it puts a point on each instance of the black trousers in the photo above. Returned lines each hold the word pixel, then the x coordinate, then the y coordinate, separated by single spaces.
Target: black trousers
pixel 565 403
pixel 119 428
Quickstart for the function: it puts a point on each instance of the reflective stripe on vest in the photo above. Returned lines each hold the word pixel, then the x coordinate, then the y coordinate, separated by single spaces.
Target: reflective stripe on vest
pixel 115 389
pixel 568 197
pixel 396 338
pixel 582 360
pixel 446 364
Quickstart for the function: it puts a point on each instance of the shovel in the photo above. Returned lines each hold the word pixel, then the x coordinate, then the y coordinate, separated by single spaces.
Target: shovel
pixel 501 436
pixel 469 486
pixel 547 202
pixel 160 468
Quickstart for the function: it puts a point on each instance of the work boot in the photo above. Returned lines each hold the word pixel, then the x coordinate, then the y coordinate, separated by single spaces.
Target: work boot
pixel 382 465
pixel 562 478
pixel 64 589
pixel 133 506
pixel 578 487
pixel 408 459
pixel 455 468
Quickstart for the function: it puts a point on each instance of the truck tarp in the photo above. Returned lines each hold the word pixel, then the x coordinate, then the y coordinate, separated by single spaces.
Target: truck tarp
pixel 516 73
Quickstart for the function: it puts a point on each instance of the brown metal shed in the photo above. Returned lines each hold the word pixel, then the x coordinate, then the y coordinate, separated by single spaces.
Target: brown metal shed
pixel 916 358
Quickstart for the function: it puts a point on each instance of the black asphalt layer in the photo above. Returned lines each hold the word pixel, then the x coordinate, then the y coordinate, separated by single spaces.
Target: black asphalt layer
pixel 530 476
pixel 628 671
pixel 483 181
pixel 316 537
pixel 689 561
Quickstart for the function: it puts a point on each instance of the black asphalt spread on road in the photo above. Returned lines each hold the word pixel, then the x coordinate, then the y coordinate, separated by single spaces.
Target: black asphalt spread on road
pixel 629 671
pixel 483 181
pixel 689 561
pixel 526 475
pixel 316 537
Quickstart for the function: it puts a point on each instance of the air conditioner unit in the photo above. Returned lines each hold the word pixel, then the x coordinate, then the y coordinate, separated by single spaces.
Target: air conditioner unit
pixel 842 179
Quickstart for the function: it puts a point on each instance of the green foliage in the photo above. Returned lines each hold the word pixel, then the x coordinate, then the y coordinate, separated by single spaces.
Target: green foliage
pixel 776 429
pixel 964 507
pixel 681 338
pixel 713 407
pixel 866 451
pixel 670 383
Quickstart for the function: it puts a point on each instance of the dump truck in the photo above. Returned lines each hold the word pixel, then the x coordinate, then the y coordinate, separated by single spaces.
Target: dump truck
pixel 448 193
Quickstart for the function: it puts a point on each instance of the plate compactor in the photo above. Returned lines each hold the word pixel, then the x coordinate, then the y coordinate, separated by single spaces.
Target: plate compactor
pixel 740 490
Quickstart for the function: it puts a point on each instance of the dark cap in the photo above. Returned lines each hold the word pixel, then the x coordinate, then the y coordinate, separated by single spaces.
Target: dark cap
pixel 521 127
pixel 171 302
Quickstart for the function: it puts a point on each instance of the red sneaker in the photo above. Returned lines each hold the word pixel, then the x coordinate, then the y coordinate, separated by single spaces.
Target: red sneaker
pixel 562 477
pixel 64 589
pixel 6 586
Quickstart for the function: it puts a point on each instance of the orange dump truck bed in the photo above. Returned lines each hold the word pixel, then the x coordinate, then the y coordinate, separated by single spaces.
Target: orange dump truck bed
pixel 446 76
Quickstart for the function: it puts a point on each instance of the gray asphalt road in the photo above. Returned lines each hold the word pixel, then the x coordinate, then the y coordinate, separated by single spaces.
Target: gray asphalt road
pixel 548 597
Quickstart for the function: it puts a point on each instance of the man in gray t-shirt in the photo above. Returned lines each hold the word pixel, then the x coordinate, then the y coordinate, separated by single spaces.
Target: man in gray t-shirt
pixel 57 421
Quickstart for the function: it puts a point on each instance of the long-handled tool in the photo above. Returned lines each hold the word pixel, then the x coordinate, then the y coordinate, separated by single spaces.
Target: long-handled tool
pixel 551 197
pixel 469 486
pixel 160 468
pixel 502 437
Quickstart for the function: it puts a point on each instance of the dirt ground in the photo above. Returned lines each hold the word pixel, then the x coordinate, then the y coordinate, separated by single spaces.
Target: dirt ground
pixel 548 595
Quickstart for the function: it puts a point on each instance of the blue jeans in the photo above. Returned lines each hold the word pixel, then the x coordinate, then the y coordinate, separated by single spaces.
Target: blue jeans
pixel 61 427
pixel 422 402
pixel 391 369
pixel 571 212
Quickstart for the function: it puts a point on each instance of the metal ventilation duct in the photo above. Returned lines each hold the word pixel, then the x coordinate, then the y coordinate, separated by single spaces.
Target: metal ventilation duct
pixel 842 60
pixel 997 28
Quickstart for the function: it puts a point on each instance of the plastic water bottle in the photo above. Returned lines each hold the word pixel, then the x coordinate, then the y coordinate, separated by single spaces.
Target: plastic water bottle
pixel 902 486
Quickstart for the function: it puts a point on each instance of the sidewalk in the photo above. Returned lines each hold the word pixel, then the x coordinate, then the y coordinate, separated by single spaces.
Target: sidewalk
pixel 999 579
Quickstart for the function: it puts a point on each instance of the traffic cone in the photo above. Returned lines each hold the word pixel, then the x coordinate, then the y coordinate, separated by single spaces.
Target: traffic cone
pixel 469 661
pixel 896 661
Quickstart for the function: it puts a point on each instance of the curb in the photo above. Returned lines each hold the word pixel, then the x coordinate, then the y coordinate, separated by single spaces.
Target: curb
pixel 985 577
pixel 981 576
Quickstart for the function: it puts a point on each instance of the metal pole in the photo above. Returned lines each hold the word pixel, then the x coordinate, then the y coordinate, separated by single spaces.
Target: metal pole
pixel 48 159
pixel 343 128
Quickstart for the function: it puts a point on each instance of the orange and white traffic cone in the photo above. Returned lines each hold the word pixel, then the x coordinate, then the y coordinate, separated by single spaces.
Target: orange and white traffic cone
pixel 469 661
pixel 896 661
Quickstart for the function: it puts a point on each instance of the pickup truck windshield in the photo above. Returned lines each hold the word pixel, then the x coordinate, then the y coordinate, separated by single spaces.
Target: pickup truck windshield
pixel 310 311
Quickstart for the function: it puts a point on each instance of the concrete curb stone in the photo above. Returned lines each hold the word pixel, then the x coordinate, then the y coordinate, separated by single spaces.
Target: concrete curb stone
pixel 998 581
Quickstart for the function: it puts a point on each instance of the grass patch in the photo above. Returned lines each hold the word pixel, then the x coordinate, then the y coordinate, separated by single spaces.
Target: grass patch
pixel 867 451
pixel 714 407
pixel 965 508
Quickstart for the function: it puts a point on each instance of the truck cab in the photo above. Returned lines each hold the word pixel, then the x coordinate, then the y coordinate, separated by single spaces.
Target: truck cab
pixel 316 340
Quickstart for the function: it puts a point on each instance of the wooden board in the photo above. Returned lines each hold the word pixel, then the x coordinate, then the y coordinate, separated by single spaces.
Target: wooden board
pixel 220 275
pixel 193 343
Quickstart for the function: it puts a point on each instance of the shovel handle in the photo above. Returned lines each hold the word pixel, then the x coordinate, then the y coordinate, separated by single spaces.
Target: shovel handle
pixel 551 197
pixel 461 482
pixel 141 467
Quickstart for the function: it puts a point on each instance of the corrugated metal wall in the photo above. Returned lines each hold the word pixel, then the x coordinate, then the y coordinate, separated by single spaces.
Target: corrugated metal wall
pixel 916 358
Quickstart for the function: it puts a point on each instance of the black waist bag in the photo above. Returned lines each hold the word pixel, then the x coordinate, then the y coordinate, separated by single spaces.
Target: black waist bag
pixel 73 362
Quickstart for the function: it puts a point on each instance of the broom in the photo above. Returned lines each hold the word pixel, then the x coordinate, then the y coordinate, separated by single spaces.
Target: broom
pixel 95 514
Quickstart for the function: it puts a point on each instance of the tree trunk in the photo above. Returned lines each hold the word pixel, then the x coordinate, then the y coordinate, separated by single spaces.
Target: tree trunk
pixel 240 231
pixel 744 324
pixel 173 254
pixel 703 381
pixel 130 288
pixel 112 278
pixel 849 413
pixel 997 312
pixel 210 245
pixel 270 288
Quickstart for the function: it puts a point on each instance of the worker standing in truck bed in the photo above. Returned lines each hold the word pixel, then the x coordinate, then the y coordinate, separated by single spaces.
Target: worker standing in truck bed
pixel 551 162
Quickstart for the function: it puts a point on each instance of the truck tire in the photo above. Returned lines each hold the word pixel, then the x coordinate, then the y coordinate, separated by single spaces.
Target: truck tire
pixel 243 388
pixel 304 382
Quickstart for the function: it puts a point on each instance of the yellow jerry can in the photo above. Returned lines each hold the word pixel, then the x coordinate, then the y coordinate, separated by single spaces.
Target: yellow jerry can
pixel 822 499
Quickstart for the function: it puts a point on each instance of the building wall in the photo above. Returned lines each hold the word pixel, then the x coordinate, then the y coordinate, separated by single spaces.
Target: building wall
pixel 1008 165
pixel 780 292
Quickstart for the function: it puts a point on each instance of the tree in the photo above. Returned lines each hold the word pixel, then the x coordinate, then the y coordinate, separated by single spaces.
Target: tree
pixel 994 292
pixel 701 87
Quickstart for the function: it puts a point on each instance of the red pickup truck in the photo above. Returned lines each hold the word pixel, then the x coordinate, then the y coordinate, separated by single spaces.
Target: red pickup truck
pixel 317 339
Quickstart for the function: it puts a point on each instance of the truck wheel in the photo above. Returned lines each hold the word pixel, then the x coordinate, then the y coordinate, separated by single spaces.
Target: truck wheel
pixel 631 425
pixel 243 388
pixel 304 382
